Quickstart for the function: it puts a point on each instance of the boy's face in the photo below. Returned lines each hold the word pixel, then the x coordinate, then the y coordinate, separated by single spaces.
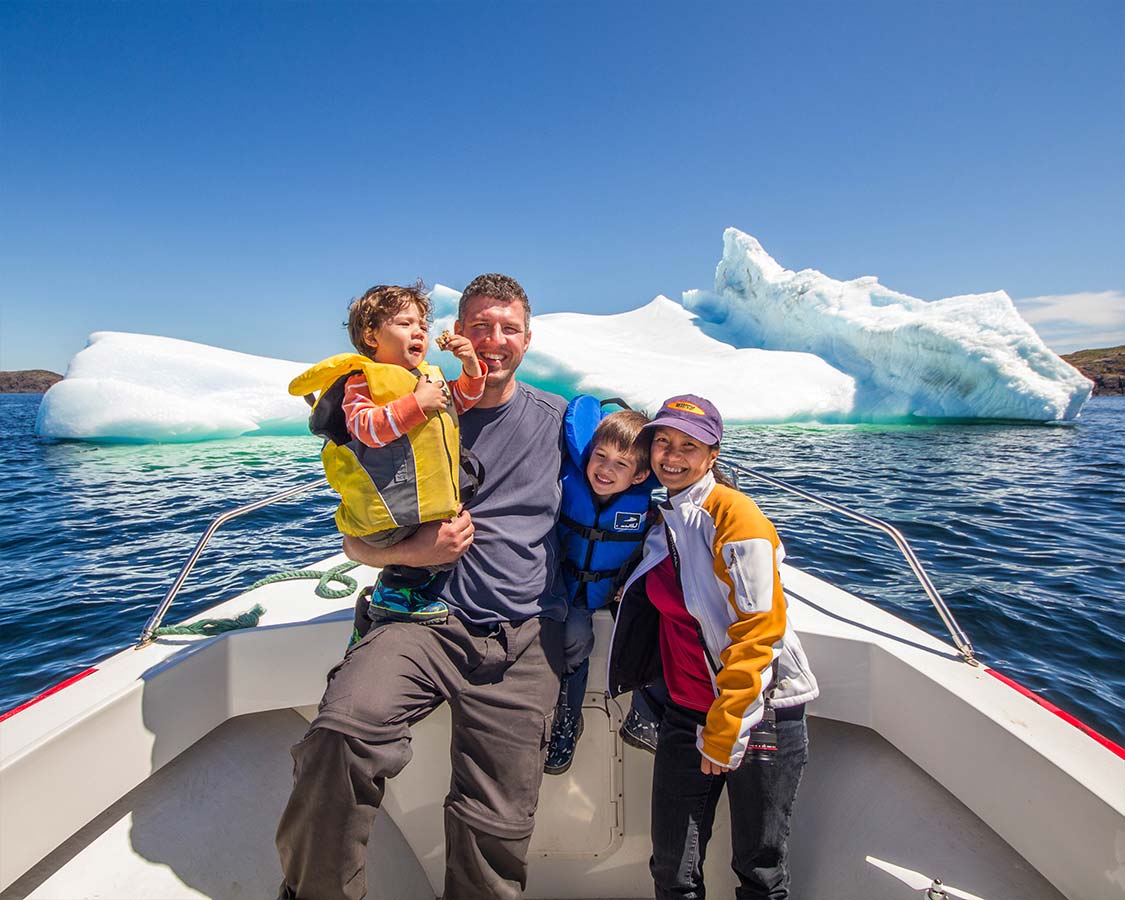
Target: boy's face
pixel 612 470
pixel 401 341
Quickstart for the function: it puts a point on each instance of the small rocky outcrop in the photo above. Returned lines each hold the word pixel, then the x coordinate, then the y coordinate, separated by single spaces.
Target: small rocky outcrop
pixel 1106 368
pixel 27 381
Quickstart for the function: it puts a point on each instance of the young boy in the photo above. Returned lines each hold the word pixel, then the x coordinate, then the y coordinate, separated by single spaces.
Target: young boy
pixel 392 447
pixel 605 512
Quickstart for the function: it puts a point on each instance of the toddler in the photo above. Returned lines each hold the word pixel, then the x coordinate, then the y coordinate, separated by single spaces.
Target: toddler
pixel 392 442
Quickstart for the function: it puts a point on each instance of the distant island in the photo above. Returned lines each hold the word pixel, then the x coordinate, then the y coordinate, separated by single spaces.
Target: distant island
pixel 27 381
pixel 1106 368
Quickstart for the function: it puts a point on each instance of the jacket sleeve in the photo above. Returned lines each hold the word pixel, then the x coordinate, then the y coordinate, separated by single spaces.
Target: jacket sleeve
pixel 374 425
pixel 466 390
pixel 747 553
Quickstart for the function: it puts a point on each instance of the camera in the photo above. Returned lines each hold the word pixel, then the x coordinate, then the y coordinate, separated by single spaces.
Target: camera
pixel 762 748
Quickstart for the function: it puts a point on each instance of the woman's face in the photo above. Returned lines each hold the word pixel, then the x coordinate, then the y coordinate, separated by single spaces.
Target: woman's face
pixel 679 460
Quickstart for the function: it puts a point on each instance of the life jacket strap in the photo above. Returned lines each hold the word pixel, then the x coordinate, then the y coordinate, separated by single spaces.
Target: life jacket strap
pixel 585 576
pixel 472 470
pixel 599 534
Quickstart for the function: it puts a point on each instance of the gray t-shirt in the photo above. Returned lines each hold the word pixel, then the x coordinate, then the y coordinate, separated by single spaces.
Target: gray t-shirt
pixel 511 572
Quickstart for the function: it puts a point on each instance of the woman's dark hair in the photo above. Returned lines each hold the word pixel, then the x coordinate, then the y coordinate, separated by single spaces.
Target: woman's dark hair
pixel 720 474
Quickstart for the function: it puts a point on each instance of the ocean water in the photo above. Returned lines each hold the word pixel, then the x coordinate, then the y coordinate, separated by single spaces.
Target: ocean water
pixel 1022 529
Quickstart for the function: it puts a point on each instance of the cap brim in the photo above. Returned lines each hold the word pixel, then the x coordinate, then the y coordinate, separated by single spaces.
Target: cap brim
pixel 699 432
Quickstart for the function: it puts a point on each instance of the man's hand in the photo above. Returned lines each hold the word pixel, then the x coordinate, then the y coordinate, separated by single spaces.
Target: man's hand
pixel 431 395
pixel 710 768
pixel 434 544
pixel 461 347
pixel 449 538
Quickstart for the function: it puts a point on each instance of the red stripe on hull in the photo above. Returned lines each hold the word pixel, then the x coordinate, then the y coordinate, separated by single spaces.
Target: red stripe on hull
pixel 1065 716
pixel 47 693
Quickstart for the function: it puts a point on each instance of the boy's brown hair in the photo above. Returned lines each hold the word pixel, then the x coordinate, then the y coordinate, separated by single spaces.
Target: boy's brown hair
pixel 383 302
pixel 623 431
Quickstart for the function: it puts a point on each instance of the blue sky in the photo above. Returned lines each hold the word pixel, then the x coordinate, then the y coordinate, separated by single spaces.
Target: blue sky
pixel 234 173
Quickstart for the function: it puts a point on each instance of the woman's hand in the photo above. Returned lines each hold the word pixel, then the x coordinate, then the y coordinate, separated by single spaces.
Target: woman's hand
pixel 711 768
pixel 431 395
pixel 461 347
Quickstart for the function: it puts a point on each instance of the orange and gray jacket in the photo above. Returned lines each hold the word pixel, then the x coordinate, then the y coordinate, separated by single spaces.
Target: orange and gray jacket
pixel 726 555
pixel 408 481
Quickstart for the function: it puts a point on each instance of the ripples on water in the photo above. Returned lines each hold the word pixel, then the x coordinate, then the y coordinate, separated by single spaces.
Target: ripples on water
pixel 1022 529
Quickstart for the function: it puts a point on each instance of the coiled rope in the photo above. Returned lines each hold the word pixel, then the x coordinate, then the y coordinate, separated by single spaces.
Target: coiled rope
pixel 251 617
pixel 322 590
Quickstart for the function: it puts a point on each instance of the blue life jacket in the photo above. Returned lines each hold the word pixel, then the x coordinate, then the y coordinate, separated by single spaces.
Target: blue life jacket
pixel 597 541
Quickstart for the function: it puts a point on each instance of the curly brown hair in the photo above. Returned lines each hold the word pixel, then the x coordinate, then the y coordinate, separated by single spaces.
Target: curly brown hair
pixel 383 302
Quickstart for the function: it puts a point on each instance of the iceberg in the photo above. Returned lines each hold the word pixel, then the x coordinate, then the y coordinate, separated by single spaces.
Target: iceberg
pixel 137 387
pixel 649 354
pixel 965 357
pixel 766 345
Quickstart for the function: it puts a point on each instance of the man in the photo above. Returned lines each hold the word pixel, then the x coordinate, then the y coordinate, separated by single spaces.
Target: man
pixel 496 661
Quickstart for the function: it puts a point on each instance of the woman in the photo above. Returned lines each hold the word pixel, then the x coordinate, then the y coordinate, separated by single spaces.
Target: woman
pixel 705 609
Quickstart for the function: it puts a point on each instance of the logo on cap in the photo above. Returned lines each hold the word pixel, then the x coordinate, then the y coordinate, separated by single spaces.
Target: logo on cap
pixel 684 406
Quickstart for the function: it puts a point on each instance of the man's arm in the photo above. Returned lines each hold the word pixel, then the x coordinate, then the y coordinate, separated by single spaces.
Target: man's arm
pixel 433 544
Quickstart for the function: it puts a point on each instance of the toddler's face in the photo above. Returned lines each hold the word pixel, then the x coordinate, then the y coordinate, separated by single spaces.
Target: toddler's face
pixel 401 341
pixel 612 470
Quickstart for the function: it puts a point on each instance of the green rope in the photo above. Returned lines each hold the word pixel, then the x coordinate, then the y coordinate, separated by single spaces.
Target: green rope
pixel 209 627
pixel 336 573
pixel 251 617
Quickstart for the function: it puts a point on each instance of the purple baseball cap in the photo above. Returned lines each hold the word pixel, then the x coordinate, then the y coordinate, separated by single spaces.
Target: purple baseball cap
pixel 693 416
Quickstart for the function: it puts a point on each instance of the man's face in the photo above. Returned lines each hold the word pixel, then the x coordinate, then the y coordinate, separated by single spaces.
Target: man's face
pixel 499 337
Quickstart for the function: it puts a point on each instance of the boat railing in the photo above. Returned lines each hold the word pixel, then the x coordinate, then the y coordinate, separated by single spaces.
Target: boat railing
pixel 158 616
pixel 960 639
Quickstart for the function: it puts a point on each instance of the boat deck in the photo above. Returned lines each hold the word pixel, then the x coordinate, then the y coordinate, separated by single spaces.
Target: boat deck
pixel 176 759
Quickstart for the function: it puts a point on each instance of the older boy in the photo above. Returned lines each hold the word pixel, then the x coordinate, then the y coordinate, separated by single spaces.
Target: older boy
pixel 605 513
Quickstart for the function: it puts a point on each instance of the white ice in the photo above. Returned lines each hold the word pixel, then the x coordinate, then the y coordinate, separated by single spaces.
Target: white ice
pixel 766 345
pixel 969 357
pixel 137 387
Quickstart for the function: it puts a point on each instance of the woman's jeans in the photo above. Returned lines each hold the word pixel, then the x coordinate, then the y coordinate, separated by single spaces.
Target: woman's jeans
pixel 761 802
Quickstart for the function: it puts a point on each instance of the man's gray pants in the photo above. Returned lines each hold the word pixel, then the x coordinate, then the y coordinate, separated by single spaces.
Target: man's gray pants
pixel 501 683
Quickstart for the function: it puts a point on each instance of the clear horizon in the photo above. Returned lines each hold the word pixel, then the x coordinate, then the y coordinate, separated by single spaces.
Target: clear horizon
pixel 233 173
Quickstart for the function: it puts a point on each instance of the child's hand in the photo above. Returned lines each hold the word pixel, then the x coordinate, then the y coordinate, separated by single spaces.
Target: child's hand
pixel 431 395
pixel 461 347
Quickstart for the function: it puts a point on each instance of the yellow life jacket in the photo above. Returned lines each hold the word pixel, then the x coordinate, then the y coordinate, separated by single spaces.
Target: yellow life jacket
pixel 411 480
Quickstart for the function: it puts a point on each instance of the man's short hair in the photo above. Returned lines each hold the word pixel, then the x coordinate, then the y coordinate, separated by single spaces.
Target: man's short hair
pixel 499 287
pixel 623 430
pixel 380 304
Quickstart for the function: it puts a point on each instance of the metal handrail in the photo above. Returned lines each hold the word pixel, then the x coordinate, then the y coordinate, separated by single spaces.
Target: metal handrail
pixel 158 616
pixel 960 639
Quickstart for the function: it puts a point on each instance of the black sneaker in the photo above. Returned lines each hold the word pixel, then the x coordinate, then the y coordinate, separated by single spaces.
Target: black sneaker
pixel 564 738
pixel 639 732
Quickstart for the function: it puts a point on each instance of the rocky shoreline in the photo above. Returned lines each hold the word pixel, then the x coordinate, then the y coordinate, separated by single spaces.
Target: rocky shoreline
pixel 1105 367
pixel 28 381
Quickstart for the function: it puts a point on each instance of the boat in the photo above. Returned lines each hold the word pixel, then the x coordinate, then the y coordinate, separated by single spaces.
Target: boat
pixel 161 772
